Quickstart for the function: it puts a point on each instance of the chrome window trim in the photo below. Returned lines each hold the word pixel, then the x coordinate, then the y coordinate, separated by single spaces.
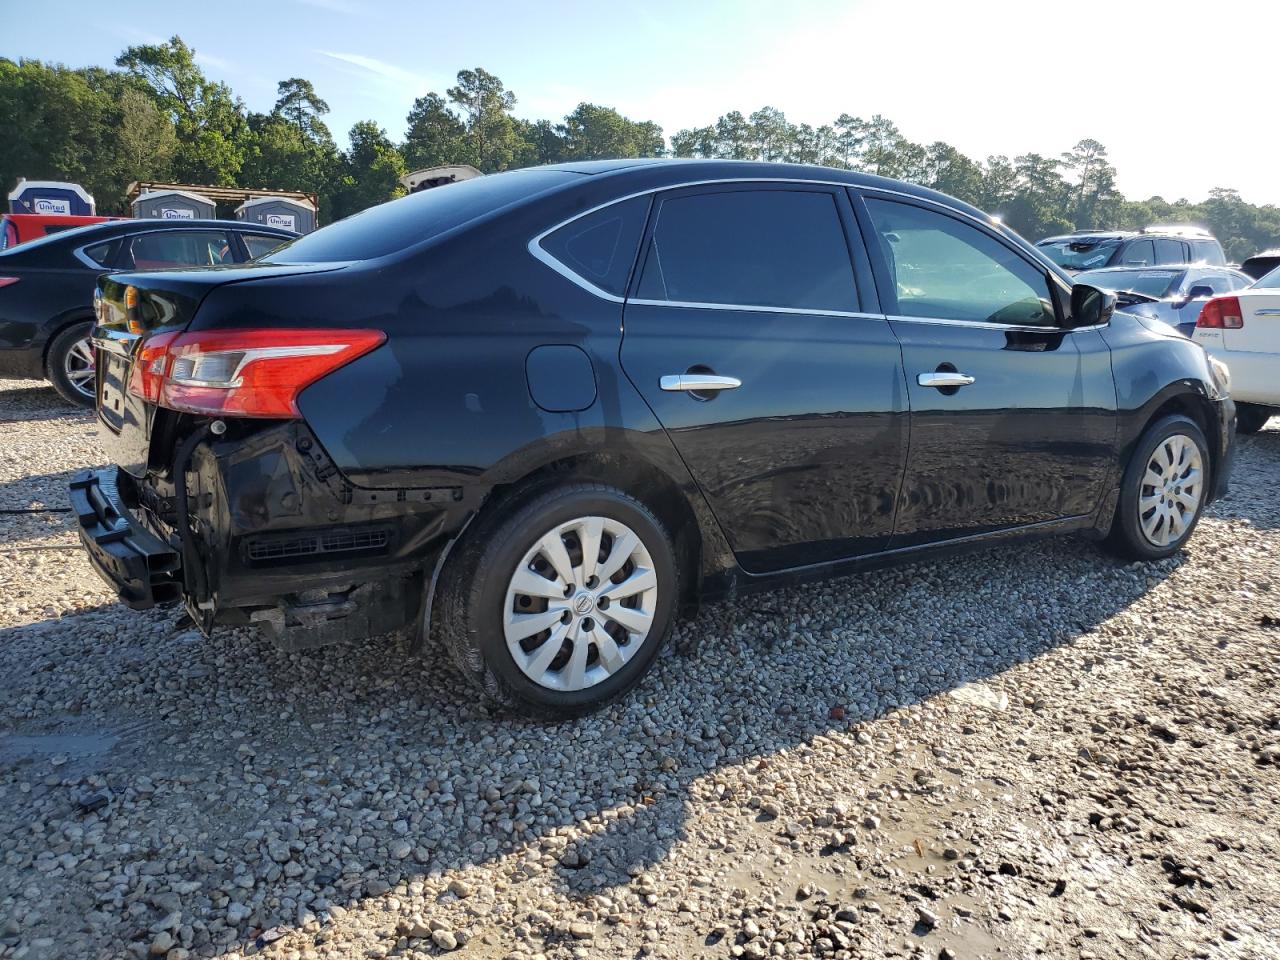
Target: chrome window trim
pixel 754 308
pixel 538 253
pixel 990 324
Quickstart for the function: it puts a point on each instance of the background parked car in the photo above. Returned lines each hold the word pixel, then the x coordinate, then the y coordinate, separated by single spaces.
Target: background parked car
pixel 16 228
pixel 1260 264
pixel 1174 295
pixel 47 285
pixel 1154 246
pixel 1243 329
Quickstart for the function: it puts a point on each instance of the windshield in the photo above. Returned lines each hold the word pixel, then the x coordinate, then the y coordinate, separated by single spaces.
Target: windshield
pixel 398 224
pixel 1150 283
pixel 1078 254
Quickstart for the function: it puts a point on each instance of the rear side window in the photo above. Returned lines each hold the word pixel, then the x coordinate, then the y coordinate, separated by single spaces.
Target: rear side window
pixel 1170 251
pixel 601 246
pixel 945 269
pixel 1139 253
pixel 1209 251
pixel 762 248
pixel 101 252
pixel 178 248
pixel 399 224
pixel 260 244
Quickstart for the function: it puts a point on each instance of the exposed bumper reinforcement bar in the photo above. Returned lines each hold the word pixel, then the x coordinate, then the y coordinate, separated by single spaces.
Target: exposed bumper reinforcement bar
pixel 143 569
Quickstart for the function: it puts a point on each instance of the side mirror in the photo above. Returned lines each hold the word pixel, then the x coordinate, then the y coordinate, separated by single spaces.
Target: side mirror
pixel 1199 292
pixel 1091 307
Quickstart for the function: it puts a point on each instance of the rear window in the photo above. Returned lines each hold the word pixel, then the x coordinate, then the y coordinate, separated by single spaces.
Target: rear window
pixel 1080 253
pixel 1270 281
pixel 402 223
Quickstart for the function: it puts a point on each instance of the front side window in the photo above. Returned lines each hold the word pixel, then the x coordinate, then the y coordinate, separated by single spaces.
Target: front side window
pixel 600 247
pixel 1139 253
pixel 942 268
pixel 178 248
pixel 762 248
pixel 1170 251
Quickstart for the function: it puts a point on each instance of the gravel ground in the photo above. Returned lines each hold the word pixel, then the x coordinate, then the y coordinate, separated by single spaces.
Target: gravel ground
pixel 1034 751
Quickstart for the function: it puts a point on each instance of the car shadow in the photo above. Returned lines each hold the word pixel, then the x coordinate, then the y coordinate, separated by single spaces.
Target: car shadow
pixel 370 744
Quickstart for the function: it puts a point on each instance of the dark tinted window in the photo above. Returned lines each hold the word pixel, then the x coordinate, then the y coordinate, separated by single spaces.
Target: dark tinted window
pixel 767 248
pixel 1209 251
pixel 401 223
pixel 601 247
pixel 943 268
pixel 1138 253
pixel 260 244
pixel 1170 251
pixel 178 248
pixel 101 252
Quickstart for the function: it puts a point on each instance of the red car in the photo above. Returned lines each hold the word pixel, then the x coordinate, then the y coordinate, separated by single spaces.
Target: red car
pixel 16 228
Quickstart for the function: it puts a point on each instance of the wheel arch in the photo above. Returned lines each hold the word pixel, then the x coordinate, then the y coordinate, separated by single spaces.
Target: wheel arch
pixel 58 325
pixel 699 546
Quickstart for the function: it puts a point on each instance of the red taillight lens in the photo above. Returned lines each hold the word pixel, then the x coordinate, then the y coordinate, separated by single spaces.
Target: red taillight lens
pixel 8 281
pixel 254 373
pixel 1221 313
pixel 149 367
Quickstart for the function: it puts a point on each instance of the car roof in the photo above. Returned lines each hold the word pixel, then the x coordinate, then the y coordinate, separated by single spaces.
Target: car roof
pixel 665 172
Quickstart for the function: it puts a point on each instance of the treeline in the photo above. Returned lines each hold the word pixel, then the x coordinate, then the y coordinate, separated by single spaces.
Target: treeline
pixel 158 117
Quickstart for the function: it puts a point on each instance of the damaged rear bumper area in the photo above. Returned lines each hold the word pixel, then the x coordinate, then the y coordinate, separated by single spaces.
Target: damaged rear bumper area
pixel 275 536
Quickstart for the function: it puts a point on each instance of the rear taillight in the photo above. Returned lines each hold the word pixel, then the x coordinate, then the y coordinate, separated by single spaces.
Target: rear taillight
pixel 1221 313
pixel 149 367
pixel 242 373
pixel 8 281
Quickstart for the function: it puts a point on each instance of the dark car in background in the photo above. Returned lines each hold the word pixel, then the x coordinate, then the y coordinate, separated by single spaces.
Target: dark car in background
pixel 543 412
pixel 1154 246
pixel 47 287
pixel 1260 264
pixel 1174 295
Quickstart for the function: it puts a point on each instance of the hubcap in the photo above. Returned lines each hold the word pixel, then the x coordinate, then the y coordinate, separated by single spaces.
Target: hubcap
pixel 80 367
pixel 1172 490
pixel 580 603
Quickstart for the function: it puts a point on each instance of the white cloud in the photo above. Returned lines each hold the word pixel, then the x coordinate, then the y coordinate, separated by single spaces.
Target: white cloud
pixel 388 72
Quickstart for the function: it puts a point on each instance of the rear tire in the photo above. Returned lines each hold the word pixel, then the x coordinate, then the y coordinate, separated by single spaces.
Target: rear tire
pixel 512 569
pixel 1252 417
pixel 1163 491
pixel 69 365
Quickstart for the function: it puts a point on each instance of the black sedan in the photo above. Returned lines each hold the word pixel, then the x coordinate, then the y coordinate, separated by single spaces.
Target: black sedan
pixel 47 287
pixel 543 413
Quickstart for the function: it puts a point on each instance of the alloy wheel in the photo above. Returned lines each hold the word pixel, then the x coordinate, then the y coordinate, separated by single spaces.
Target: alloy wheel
pixel 81 367
pixel 1172 490
pixel 580 603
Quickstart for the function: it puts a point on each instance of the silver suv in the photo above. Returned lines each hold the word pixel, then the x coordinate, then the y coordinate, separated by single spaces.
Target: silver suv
pixel 1154 246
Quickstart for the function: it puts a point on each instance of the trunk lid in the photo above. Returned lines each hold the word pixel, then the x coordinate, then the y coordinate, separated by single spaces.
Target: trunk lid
pixel 1260 311
pixel 130 308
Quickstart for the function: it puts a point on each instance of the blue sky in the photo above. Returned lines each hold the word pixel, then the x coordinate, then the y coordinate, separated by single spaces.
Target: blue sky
pixel 1172 88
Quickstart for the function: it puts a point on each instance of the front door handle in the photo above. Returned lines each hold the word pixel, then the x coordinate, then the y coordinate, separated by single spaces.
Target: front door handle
pixel 944 378
pixel 698 382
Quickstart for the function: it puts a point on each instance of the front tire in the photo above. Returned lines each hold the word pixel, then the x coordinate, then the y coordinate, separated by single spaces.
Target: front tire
pixel 69 365
pixel 1252 417
pixel 1163 491
pixel 561 603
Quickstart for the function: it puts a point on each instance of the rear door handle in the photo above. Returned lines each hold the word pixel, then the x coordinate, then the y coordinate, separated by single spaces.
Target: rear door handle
pixel 944 378
pixel 698 382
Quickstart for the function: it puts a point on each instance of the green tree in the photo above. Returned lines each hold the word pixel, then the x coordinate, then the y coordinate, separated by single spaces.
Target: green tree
pixel 299 104
pixel 593 132
pixel 371 171
pixel 435 136
pixel 492 136
pixel 210 121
